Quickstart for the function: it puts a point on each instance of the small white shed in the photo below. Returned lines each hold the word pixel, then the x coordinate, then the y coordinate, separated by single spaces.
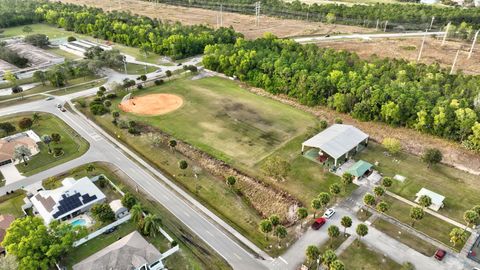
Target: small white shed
pixel 437 199
pixel 118 208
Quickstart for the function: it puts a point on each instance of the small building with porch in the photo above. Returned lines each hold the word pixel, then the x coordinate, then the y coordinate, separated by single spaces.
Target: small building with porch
pixel 335 145
pixel 437 199
pixel 359 169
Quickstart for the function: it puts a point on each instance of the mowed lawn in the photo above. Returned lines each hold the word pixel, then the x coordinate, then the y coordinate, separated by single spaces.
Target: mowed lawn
pixel 72 144
pixel 461 189
pixel 12 204
pixel 361 257
pixel 227 121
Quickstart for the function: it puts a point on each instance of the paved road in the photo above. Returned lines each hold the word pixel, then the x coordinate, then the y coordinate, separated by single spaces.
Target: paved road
pixel 315 39
pixel 216 233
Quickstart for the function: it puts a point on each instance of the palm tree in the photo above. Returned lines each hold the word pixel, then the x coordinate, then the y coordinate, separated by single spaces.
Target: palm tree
pixel 328 258
pixel 346 223
pixel 416 213
pixel 361 230
pixel 312 253
pixel 316 204
pixel 280 232
pixel 333 232
pixel 47 140
pixel 137 213
pixel 457 236
pixel 470 217
pixel 151 224
pixel 425 201
pixel 266 227
pixel 335 190
pixel 22 152
pixel 302 213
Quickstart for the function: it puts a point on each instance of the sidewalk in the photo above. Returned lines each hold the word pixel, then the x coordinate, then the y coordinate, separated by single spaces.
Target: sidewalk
pixel 433 213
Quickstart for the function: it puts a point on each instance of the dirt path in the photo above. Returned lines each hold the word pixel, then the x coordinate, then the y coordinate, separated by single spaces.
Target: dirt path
pixel 241 23
pixel 408 48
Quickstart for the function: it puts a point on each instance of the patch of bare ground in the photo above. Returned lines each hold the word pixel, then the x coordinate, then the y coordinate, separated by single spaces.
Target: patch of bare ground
pixel 408 48
pixel 412 141
pixel 265 199
pixel 244 24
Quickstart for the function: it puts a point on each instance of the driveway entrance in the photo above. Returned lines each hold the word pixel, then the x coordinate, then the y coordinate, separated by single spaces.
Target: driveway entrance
pixel 10 173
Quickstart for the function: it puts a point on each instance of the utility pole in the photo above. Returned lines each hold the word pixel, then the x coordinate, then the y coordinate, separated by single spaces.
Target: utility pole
pixel 125 64
pixel 454 62
pixel 421 47
pixel 473 45
pixel 431 23
pixel 376 27
pixel 446 33
pixel 385 28
pixel 221 15
pixel 257 13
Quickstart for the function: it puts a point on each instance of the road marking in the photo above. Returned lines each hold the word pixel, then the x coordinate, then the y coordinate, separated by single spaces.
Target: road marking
pixel 186 214
pixel 210 233
pixel 283 260
pixel 235 254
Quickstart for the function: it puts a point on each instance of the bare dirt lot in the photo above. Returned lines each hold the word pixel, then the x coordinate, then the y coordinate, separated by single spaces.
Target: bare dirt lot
pixel 241 23
pixel 155 104
pixel 408 48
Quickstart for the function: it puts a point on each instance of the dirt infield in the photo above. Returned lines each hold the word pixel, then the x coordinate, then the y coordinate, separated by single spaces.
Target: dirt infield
pixel 154 104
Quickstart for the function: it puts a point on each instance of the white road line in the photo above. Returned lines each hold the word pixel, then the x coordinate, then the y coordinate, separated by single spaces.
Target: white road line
pixel 238 257
pixel 283 260
pixel 209 233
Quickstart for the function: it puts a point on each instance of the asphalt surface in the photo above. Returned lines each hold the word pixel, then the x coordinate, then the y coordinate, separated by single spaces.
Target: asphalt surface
pixel 211 229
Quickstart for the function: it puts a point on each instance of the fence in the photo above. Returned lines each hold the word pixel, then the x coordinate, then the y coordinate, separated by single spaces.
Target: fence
pixel 101 231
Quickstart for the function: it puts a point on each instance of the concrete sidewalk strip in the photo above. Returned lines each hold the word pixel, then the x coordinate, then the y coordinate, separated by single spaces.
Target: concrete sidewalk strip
pixel 345 245
pixel 431 212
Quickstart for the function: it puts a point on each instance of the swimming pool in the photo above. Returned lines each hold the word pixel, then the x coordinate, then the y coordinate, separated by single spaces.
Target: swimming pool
pixel 79 222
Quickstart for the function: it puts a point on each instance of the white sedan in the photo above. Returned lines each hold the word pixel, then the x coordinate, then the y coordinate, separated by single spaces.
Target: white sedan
pixel 329 213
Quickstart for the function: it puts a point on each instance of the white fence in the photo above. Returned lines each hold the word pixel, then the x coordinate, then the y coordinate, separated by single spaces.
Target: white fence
pixel 101 231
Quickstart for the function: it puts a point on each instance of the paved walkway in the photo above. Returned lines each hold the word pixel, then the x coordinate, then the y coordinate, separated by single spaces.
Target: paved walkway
pixel 345 245
pixel 431 212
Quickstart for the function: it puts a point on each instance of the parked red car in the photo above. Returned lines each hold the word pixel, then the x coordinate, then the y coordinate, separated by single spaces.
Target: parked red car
pixel 440 254
pixel 318 223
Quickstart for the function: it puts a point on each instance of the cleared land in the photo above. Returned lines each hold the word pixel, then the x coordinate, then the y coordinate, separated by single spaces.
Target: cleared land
pixel 244 24
pixel 154 104
pixel 408 49
pixel 359 256
pixel 72 144
pixel 460 189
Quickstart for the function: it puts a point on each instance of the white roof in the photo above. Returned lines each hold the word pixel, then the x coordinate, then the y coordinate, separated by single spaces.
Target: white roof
pixel 71 197
pixel 337 140
pixel 116 206
pixel 437 199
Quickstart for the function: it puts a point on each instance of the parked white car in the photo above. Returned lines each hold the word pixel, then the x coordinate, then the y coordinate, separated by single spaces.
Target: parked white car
pixel 329 213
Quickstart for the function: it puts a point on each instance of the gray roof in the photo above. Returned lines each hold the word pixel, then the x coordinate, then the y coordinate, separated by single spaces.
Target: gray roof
pixel 337 139
pixel 130 252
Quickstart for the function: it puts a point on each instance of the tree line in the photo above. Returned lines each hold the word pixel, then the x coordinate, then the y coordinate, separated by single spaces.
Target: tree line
pixel 400 93
pixel 171 39
pixel 402 16
pixel 14 13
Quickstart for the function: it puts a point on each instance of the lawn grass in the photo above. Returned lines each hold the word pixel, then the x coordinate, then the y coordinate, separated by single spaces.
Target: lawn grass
pixel 335 243
pixel 64 54
pixel 358 256
pixel 226 121
pixel 193 253
pixel 404 237
pixel 136 69
pixel 306 179
pixel 429 225
pixel 12 204
pixel 73 145
pixel 460 189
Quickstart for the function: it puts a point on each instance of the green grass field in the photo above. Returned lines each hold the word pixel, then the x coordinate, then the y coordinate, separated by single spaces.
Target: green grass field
pixel 136 69
pixel 460 189
pixel 226 121
pixel 73 145
pixel 429 225
pixel 359 256
pixel 405 237
pixel 12 204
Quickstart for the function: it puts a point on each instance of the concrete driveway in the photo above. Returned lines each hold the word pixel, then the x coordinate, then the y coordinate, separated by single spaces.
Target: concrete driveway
pixel 10 173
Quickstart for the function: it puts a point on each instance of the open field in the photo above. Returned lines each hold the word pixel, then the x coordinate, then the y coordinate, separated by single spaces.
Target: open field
pixel 459 188
pixel 405 237
pixel 244 24
pixel 359 256
pixel 183 259
pixel 136 69
pixel 222 119
pixel 12 204
pixel 408 49
pixel 73 145
pixel 429 225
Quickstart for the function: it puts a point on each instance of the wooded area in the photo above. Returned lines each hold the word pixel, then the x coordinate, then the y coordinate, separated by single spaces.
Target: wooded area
pixel 423 97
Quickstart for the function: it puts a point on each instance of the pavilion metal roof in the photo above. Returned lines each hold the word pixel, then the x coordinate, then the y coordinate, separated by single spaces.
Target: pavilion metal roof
pixel 337 139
